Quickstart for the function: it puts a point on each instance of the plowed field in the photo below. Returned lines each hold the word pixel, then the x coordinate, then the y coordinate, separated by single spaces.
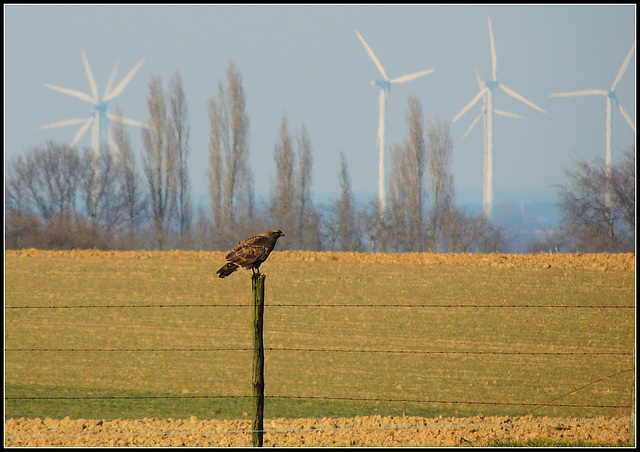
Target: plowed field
pixel 357 431
pixel 372 431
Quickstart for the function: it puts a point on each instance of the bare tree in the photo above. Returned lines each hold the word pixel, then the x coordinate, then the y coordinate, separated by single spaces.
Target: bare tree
pixel 229 175
pixel 45 181
pixel 179 143
pixel 342 228
pixel 110 209
pixel 623 183
pixel 135 203
pixel 406 185
pixel 439 150
pixel 49 184
pixel 593 223
pixel 308 217
pixel 159 163
pixel 370 225
pixel 471 234
pixel 215 173
pixel 282 205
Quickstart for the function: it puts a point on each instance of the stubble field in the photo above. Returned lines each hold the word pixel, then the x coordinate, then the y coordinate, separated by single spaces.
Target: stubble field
pixel 362 349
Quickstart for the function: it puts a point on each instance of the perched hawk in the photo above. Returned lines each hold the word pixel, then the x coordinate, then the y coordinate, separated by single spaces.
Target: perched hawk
pixel 250 253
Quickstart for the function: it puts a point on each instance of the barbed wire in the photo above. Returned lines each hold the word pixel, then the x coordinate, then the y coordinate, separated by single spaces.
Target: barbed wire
pixel 319 350
pixel 319 305
pixel 326 398
pixel 534 405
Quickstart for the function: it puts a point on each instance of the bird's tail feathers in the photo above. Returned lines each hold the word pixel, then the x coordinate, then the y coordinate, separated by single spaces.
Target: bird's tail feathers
pixel 227 269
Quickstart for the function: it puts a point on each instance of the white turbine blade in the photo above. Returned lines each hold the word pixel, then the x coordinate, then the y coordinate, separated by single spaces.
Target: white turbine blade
pixel 623 68
pixel 373 56
pixel 125 81
pixel 584 92
pixel 66 123
pixel 517 96
pixel 494 61
pixel 480 82
pixel 508 114
pixel 72 92
pixel 112 78
pixel 473 124
pixel 81 132
pixel 626 117
pixel 92 81
pixel 408 78
pixel 471 104
pixel 123 120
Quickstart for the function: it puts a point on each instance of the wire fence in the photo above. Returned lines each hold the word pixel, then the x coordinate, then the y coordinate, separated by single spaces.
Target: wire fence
pixel 554 402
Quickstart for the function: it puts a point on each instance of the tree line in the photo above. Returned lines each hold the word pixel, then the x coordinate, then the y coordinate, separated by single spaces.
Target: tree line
pixel 59 197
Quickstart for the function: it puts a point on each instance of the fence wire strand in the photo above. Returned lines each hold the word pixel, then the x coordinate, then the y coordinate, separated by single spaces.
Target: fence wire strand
pixel 317 350
pixel 317 305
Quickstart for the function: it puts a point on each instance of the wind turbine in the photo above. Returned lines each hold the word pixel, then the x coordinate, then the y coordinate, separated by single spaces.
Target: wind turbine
pixel 486 93
pixel 385 87
pixel 483 112
pixel 487 171
pixel 99 118
pixel 611 96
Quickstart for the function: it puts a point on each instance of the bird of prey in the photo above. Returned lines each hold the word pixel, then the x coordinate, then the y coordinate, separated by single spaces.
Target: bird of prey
pixel 250 253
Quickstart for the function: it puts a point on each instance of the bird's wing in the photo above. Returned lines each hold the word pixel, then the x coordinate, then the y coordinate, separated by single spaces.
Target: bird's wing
pixel 250 251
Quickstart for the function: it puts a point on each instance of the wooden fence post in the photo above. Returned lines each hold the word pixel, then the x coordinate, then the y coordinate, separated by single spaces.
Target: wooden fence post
pixel 257 286
pixel 632 424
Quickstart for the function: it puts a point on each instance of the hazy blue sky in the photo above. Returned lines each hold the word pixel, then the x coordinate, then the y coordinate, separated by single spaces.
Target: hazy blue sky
pixel 307 62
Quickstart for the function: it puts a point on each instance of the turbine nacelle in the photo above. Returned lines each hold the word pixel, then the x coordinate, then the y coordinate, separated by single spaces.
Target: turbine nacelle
pixel 491 84
pixel 101 108
pixel 384 84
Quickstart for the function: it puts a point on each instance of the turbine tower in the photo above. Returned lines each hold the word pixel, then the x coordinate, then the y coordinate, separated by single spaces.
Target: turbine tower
pixel 486 93
pixel 611 96
pixel 98 121
pixel 385 87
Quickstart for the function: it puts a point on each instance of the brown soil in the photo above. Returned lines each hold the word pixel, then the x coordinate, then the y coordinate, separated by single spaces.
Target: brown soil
pixel 374 431
pixel 359 431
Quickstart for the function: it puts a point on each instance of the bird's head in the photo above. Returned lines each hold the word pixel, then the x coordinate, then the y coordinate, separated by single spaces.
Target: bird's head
pixel 274 234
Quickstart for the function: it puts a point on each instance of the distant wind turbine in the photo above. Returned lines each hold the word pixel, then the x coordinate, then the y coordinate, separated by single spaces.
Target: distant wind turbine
pixel 385 87
pixel 610 95
pixel 486 93
pixel 98 121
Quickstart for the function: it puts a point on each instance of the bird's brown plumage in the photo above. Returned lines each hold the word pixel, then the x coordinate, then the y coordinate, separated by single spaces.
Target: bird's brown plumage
pixel 250 253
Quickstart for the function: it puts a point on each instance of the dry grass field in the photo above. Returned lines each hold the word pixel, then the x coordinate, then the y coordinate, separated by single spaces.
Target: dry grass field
pixel 136 335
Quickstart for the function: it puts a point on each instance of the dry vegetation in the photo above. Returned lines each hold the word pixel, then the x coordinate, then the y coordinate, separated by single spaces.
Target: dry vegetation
pixel 588 261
